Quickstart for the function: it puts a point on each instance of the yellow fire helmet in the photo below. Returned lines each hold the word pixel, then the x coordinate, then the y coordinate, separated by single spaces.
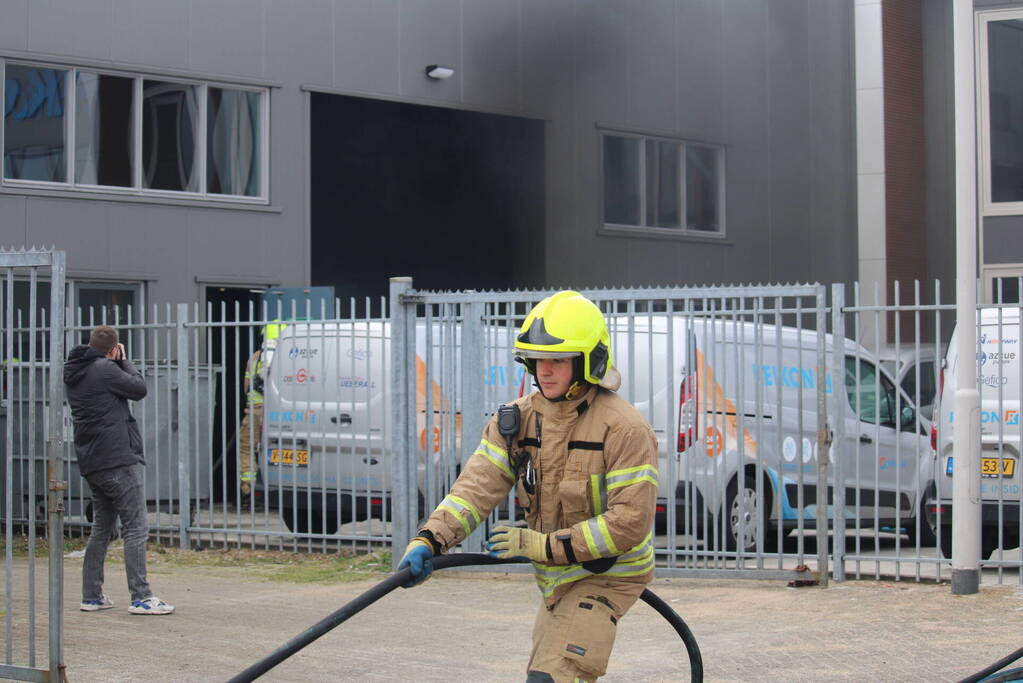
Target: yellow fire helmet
pixel 563 325
pixel 270 334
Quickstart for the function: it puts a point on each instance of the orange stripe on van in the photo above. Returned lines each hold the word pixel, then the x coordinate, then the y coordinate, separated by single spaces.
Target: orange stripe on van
pixel 441 409
pixel 712 400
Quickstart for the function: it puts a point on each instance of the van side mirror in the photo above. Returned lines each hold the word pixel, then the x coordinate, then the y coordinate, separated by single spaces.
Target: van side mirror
pixel 908 417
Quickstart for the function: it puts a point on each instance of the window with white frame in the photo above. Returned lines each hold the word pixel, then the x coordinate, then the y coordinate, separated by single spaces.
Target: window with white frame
pixel 1003 284
pixel 663 185
pixel 82 129
pixel 1000 57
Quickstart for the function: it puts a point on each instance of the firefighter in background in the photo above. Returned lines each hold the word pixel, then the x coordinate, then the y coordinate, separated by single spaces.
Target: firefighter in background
pixel 250 430
pixel 584 462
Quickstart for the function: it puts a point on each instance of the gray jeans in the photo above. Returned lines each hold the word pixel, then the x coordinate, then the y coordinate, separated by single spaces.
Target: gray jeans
pixel 119 492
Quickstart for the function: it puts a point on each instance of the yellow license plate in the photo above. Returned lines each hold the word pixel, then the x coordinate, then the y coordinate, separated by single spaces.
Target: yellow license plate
pixel 989 467
pixel 288 456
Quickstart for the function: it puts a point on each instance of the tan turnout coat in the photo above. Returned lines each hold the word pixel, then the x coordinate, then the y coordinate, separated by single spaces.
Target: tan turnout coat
pixel 596 468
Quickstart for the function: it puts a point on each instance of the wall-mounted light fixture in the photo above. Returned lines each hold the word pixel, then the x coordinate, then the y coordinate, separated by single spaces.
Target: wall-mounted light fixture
pixel 439 72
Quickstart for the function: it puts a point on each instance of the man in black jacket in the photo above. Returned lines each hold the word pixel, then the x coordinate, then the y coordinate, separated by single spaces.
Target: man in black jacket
pixel 100 380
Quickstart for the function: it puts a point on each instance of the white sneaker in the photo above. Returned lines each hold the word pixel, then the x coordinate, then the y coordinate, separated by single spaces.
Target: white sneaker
pixel 151 605
pixel 96 605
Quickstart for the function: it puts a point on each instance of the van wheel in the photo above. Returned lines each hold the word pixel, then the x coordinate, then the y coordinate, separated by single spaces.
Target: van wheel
pixel 298 522
pixel 746 509
pixel 946 541
pixel 988 542
pixel 928 523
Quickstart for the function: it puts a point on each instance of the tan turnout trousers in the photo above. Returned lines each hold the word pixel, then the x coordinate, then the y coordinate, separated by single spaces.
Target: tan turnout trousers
pixel 248 431
pixel 572 641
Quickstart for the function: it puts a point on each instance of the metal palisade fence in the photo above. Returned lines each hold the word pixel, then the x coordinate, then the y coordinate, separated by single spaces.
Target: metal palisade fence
pixel 799 429
pixel 33 477
pixel 732 380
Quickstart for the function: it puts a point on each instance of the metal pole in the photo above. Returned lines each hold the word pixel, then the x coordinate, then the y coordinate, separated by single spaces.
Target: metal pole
pixel 184 429
pixel 822 440
pixel 966 424
pixel 401 529
pixel 473 403
pixel 837 436
pixel 55 466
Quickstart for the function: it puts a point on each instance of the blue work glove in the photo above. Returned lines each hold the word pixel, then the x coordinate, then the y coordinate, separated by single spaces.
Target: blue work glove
pixel 418 557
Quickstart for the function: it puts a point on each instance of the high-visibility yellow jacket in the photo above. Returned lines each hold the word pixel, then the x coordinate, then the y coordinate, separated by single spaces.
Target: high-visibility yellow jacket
pixel 596 468
pixel 254 376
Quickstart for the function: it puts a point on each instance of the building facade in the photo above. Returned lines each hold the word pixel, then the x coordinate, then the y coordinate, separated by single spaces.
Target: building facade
pixel 180 149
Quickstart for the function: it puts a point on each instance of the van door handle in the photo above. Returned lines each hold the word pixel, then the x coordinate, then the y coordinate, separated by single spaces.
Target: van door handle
pixel 343 418
pixel 865 439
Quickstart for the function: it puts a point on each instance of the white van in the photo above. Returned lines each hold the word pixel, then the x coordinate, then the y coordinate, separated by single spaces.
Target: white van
pixel 998 379
pixel 915 369
pixel 326 420
pixel 326 434
pixel 746 404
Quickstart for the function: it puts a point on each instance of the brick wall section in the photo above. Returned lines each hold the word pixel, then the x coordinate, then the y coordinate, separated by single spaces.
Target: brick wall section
pixel 905 247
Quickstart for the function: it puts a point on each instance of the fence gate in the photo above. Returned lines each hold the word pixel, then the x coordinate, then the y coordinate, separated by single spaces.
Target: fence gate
pixel 734 381
pixel 33 476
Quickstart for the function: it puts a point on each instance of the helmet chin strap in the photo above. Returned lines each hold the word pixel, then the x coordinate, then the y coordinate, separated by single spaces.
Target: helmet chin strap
pixel 577 387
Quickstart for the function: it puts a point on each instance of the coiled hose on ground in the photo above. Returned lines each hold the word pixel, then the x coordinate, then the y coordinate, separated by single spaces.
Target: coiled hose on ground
pixel 443 562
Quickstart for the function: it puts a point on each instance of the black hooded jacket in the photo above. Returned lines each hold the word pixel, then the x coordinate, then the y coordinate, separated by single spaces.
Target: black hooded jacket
pixel 98 389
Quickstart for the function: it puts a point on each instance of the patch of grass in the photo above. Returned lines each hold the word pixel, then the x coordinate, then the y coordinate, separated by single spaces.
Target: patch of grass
pixel 20 543
pixel 273 565
pixel 265 565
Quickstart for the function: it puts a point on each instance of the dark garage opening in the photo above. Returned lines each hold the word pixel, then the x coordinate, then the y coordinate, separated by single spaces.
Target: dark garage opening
pixel 453 198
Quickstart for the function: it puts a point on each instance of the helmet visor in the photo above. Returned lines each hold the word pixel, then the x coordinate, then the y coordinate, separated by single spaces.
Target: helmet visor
pixel 530 353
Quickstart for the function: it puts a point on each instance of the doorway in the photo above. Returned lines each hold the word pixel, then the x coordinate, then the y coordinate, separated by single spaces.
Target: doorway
pixel 453 198
pixel 229 347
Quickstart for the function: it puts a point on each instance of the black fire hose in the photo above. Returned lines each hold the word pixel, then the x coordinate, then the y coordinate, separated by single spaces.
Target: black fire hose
pixel 443 562
pixel 1013 675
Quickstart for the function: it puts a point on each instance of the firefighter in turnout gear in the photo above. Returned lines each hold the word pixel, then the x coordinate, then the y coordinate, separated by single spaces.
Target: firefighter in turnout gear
pixel 584 464
pixel 250 430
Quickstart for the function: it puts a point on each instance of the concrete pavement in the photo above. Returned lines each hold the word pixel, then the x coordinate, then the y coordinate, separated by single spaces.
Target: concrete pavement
pixel 475 626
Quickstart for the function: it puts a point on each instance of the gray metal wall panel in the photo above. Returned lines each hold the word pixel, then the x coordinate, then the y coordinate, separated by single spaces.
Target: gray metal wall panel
pixel 227 37
pixel 70 27
pixel 83 228
pixel 491 44
pixel 211 235
pixel 1002 243
pixel 430 34
pixel 300 40
pixel 832 206
pixel 366 46
pixel 137 233
pixel 790 122
pixel 13 28
pixel 701 88
pixel 649 260
pixel 547 56
pixel 151 32
pixel 653 63
pixel 939 139
pixel 13 211
pixel 747 134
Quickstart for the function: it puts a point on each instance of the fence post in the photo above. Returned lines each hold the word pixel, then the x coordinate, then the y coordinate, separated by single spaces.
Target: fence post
pixel 184 428
pixel 55 465
pixel 402 513
pixel 472 354
pixel 838 429
pixel 822 439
